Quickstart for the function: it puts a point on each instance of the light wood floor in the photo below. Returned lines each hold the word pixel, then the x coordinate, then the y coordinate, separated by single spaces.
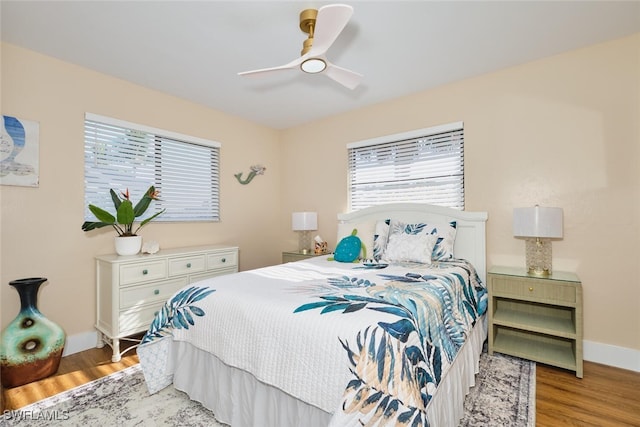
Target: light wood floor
pixel 606 396
pixel 74 370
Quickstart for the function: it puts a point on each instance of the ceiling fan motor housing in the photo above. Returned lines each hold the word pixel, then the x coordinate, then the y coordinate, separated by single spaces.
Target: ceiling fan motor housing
pixel 307 24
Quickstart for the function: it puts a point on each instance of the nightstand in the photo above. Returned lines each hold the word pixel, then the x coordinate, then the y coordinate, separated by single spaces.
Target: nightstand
pixel 536 318
pixel 291 256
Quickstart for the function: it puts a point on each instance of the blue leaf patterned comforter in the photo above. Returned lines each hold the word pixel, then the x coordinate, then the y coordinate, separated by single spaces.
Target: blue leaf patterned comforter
pixel 380 340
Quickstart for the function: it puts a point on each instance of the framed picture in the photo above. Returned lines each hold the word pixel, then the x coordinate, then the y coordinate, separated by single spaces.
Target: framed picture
pixel 19 151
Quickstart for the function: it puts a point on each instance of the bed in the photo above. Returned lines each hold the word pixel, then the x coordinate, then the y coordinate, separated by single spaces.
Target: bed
pixel 319 342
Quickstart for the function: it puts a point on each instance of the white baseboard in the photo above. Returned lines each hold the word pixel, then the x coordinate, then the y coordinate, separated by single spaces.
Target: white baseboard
pixel 606 354
pixel 80 342
pixel 611 355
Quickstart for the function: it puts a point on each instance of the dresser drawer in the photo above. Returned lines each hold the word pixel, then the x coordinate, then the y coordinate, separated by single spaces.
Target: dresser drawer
pixel 186 265
pixel 535 289
pixel 143 272
pixel 222 260
pixel 151 292
pixel 136 320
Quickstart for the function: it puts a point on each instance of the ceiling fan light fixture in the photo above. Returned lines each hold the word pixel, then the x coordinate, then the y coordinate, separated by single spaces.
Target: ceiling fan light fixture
pixel 323 26
pixel 313 65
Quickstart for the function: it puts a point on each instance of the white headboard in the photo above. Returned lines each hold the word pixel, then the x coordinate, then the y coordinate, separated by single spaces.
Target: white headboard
pixel 470 241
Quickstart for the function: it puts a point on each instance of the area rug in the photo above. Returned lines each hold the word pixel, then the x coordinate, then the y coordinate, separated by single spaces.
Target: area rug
pixel 504 395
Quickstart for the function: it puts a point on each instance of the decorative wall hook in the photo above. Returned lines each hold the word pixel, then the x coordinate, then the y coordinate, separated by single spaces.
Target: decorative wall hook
pixel 255 170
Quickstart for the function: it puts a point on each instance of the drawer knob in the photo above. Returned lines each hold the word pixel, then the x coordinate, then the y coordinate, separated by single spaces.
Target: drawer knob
pixel 145 271
pixel 156 291
pixel 530 288
pixel 223 260
pixel 188 265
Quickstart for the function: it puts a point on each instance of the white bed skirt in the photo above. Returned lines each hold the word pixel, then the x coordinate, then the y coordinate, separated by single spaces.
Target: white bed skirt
pixel 237 398
pixel 447 405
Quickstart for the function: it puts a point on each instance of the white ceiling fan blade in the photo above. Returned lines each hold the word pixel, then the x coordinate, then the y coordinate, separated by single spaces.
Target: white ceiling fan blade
pixel 293 64
pixel 347 78
pixel 330 22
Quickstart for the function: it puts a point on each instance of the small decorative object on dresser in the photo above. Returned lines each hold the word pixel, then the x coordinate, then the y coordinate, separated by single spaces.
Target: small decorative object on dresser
pixel 150 247
pixel 31 345
pixel 131 290
pixel 127 242
pixel 536 318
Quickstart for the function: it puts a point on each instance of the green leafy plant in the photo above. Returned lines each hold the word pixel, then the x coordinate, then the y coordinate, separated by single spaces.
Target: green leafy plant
pixel 126 213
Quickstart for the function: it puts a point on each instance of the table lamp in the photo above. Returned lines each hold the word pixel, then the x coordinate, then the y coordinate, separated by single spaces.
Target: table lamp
pixel 538 225
pixel 304 222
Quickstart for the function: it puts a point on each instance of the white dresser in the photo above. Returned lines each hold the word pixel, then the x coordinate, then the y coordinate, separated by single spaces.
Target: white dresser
pixel 131 289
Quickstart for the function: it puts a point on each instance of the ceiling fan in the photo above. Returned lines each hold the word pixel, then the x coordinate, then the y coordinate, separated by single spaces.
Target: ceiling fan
pixel 323 26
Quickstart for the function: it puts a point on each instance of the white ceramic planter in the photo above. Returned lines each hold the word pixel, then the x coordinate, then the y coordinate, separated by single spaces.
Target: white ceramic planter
pixel 129 245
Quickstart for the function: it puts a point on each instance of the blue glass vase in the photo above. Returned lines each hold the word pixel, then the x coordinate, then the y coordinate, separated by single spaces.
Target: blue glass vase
pixel 31 345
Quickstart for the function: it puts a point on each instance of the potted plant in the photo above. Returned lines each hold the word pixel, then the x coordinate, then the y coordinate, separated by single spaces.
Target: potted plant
pixel 127 242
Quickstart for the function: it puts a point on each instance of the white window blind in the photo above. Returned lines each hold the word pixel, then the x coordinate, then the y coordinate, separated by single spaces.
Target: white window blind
pixel 421 166
pixel 121 155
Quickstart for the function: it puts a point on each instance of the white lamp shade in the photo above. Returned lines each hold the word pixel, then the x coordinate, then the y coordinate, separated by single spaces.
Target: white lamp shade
pixel 304 221
pixel 537 222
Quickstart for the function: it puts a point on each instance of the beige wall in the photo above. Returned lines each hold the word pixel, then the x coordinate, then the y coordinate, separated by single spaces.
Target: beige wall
pixel 562 131
pixel 40 227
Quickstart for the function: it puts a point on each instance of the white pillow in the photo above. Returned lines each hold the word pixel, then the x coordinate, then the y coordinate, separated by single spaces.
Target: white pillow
pixel 410 247
pixel 365 233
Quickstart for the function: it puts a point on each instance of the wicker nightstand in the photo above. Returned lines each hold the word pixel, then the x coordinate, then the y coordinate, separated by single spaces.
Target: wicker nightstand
pixel 536 318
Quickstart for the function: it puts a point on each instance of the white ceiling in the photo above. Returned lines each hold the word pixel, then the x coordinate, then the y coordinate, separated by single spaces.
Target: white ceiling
pixel 194 49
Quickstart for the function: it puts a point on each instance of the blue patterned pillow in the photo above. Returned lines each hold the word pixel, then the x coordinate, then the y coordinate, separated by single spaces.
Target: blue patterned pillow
pixel 443 250
pixel 446 236
pixel 380 239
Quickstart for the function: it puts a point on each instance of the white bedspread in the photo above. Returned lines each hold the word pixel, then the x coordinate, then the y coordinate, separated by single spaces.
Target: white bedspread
pixel 250 322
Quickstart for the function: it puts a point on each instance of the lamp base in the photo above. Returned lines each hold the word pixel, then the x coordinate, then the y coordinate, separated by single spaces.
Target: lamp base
pixel 540 273
pixel 304 242
pixel 538 257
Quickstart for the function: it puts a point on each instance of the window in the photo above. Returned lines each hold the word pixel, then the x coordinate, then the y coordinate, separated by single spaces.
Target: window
pixel 421 166
pixel 120 155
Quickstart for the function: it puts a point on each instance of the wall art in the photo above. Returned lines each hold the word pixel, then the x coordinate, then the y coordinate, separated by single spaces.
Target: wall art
pixel 19 152
pixel 254 170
